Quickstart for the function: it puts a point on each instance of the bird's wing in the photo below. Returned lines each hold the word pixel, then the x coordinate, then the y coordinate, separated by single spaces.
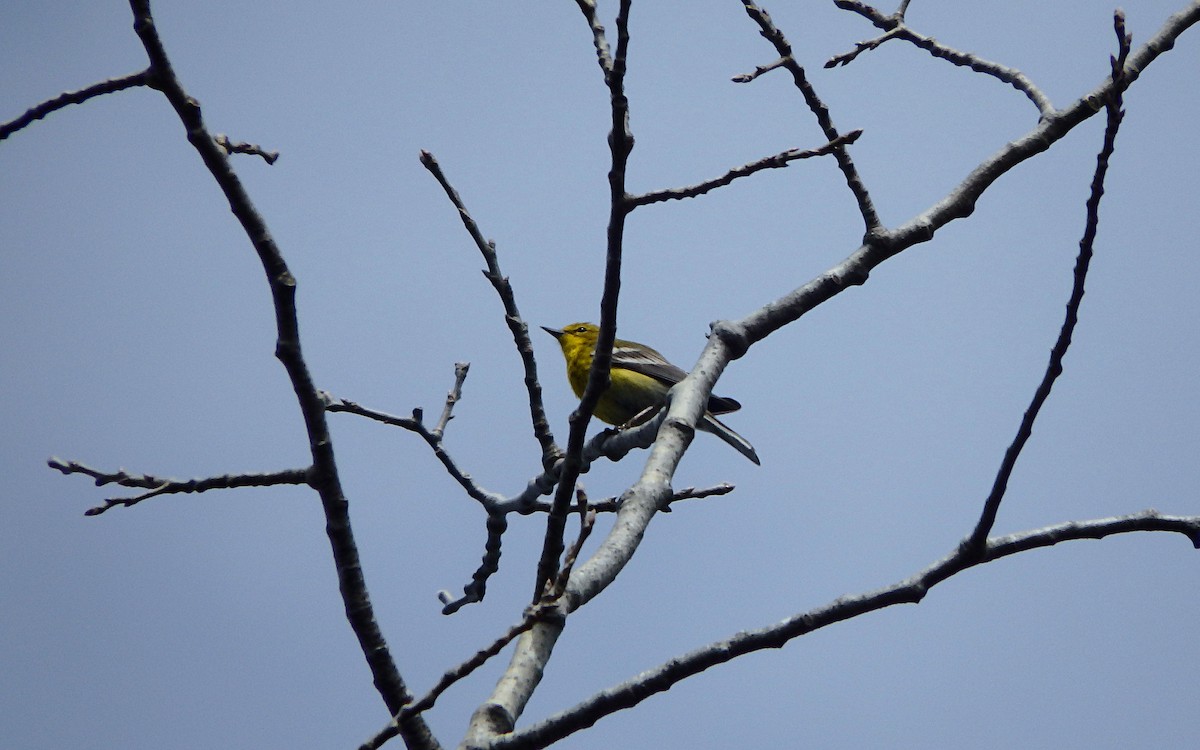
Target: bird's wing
pixel 650 363
pixel 647 362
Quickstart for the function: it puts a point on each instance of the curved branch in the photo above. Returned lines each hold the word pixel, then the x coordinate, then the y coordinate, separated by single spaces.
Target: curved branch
pixel 110 86
pixel 325 477
pixel 895 28
pixel 908 591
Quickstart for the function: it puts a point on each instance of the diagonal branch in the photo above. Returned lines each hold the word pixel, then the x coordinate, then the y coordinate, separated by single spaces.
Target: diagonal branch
pixel 512 316
pixel 767 29
pixel 909 591
pixel 777 161
pixel 324 477
pixel 895 28
pixel 960 202
pixel 1113 103
pixel 110 86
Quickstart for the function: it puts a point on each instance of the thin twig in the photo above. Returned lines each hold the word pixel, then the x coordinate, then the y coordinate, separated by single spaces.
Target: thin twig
pixel 497 524
pixel 612 504
pixel 768 30
pixel 991 506
pixel 587 521
pixel 533 615
pixel 895 28
pixel 452 397
pixel 488 499
pixel 239 147
pixel 776 161
pixel 110 86
pixel 512 316
pixel 161 486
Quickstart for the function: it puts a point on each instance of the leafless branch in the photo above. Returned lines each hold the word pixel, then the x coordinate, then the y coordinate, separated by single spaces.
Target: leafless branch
pixel 533 614
pixel 776 161
pixel 773 35
pixel 452 397
pixel 238 147
pixel 324 474
pixel 110 86
pixel 512 316
pixel 960 202
pixel 895 28
pixel 161 486
pixel 489 500
pixel 991 506
pixel 620 142
pixel 909 591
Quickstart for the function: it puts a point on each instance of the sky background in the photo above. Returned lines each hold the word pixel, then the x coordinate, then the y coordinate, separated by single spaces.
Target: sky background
pixel 138 333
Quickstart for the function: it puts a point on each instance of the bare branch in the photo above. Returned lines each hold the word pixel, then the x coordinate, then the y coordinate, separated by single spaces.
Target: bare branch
pixel 512 316
pixel 759 70
pixel 110 86
pixel 908 591
pixel 238 147
pixel 767 29
pixel 895 28
pixel 960 202
pixel 860 47
pixel 489 500
pixel 533 614
pixel 587 520
pixel 161 486
pixel 781 159
pixel 612 504
pixel 599 38
pixel 452 397
pixel 497 524
pixel 991 506
pixel 620 142
pixel 324 477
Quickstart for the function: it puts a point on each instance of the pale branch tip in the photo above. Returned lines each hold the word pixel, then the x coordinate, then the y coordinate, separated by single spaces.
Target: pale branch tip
pixel 239 147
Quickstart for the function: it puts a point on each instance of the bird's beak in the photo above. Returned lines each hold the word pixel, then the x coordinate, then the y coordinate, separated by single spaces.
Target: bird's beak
pixel 553 332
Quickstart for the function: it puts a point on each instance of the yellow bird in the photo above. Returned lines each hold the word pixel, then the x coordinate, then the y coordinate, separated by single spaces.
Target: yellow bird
pixel 639 380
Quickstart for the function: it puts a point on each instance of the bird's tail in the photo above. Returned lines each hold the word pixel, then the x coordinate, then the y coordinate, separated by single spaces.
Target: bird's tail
pixel 711 424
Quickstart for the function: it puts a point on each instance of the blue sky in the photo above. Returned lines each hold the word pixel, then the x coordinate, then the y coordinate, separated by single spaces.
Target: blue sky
pixel 139 334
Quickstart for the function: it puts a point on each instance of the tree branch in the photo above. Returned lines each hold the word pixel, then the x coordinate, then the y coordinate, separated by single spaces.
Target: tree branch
pixel 777 161
pixel 512 316
pixel 324 476
pixel 895 28
pixel 161 486
pixel 110 86
pixel 909 591
pixel 1113 102
pixel 773 35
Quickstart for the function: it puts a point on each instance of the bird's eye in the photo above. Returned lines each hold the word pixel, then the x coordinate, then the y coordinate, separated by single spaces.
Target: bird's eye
pixel 581 329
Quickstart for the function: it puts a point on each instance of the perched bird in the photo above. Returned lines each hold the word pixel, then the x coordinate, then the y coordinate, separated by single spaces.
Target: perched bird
pixel 639 380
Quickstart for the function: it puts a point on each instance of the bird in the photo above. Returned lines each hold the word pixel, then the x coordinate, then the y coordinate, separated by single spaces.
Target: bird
pixel 639 380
